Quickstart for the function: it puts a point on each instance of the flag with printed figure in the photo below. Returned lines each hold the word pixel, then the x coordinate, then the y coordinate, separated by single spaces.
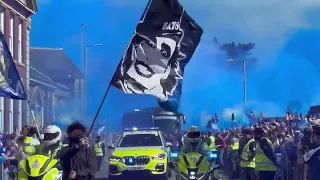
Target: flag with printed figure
pixel 10 82
pixel 162 45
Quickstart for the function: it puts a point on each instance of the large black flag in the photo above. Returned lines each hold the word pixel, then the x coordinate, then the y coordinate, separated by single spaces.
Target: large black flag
pixel 10 82
pixel 163 43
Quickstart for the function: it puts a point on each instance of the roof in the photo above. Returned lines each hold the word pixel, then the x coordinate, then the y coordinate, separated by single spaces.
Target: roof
pixel 32 5
pixel 36 75
pixel 54 63
pixel 155 132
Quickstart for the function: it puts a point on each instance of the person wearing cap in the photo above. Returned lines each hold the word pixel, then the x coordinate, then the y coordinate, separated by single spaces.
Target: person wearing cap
pixel 99 148
pixel 247 158
pixel 312 157
pixel 265 160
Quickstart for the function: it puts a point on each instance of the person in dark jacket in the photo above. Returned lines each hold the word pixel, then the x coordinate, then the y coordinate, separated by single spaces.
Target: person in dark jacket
pixel 78 160
pixel 221 146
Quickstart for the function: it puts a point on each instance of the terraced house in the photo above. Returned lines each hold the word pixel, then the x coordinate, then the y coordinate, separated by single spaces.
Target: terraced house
pixel 15 23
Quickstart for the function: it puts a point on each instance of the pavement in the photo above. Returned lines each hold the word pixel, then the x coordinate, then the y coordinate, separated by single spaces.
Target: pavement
pixel 103 173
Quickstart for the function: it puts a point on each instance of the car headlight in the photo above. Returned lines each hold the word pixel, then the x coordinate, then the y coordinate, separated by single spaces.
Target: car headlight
pixel 114 159
pixel 159 157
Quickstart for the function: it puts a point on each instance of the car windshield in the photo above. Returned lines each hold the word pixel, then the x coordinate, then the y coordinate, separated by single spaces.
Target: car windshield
pixel 136 140
pixel 168 126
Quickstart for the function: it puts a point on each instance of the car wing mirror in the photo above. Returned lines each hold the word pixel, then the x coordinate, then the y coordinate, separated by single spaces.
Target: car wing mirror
pixel 110 146
pixel 168 144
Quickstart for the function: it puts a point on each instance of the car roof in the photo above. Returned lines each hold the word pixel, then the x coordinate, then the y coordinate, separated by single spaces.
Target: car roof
pixel 155 132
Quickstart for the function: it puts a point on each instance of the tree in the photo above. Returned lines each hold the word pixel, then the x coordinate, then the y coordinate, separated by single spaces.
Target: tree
pixel 234 51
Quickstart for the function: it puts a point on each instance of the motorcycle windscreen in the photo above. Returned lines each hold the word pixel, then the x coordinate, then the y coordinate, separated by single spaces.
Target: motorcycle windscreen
pixel 52 174
pixel 37 165
pixel 193 161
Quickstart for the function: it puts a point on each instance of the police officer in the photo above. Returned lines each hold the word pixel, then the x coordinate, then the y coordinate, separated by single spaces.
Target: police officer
pixel 266 163
pixel 29 142
pixel 99 148
pixel 248 155
pixel 194 143
pixel 51 141
pixel 233 148
pixel 212 143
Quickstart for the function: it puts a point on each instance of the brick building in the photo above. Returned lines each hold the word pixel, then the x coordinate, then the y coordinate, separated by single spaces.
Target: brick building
pixel 15 23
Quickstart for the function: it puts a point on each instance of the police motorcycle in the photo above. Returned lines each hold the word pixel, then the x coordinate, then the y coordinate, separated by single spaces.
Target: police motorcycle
pixel 192 165
pixel 40 166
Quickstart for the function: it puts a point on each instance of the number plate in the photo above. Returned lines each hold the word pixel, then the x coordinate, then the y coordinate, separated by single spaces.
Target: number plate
pixel 136 168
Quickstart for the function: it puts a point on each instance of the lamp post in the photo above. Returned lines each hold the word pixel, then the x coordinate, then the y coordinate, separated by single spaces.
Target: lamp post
pixel 83 26
pixel 86 65
pixel 244 80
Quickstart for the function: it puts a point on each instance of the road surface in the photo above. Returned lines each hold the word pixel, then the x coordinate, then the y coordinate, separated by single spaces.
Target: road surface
pixel 103 173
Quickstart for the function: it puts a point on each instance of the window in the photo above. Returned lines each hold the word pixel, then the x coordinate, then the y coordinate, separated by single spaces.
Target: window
pixel 20 43
pixel 19 114
pixel 11 117
pixel 1 114
pixel 138 140
pixel 2 20
pixel 11 36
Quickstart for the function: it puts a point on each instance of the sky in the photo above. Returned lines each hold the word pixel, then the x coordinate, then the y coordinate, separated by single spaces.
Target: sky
pixel 286 34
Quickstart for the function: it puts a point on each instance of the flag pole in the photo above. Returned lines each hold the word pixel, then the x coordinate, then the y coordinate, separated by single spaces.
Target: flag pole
pixel 100 107
pixel 34 118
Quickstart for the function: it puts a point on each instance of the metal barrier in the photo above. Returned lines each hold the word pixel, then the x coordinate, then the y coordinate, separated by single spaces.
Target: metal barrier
pixel 291 169
pixel 288 170
pixel 1 172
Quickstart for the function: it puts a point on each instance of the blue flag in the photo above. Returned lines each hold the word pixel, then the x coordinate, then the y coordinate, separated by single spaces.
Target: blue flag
pixel 162 45
pixel 10 83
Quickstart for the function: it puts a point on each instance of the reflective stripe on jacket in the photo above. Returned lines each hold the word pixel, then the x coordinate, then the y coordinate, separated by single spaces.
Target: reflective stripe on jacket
pixel 212 146
pixel 98 149
pixel 28 148
pixel 236 144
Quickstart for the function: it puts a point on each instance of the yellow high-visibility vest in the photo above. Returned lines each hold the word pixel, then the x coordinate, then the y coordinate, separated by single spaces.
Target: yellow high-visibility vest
pixel 212 146
pixel 236 144
pixel 263 163
pixel 28 148
pixel 245 155
pixel 98 149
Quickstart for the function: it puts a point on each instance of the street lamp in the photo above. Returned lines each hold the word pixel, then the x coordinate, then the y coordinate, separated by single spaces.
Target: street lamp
pixel 244 80
pixel 86 65
pixel 83 26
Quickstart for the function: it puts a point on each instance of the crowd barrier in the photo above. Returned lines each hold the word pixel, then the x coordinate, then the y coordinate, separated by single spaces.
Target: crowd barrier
pixel 1 172
pixel 288 169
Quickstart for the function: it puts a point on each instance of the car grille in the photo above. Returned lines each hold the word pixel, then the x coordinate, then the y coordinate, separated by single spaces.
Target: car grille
pixel 138 160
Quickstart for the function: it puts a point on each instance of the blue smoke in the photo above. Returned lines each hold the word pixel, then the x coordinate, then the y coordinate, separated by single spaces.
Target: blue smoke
pixel 289 81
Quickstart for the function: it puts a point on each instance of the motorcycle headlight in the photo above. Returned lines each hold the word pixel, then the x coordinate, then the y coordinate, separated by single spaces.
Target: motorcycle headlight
pixel 192 175
pixel 114 159
pixel 159 157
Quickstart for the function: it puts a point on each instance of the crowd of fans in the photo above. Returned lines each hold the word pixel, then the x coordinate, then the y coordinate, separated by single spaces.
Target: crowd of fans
pixel 294 151
pixel 295 144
